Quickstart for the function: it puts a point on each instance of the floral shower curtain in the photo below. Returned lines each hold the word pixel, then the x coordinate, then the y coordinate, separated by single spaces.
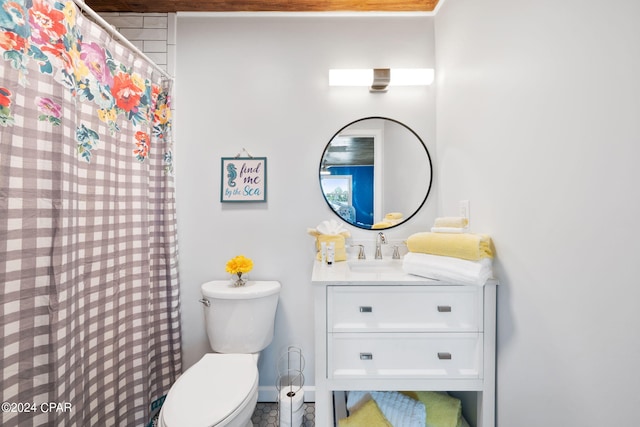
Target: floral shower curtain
pixel 89 314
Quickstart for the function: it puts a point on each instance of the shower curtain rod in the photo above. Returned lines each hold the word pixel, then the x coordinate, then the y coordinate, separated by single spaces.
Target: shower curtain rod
pixel 115 33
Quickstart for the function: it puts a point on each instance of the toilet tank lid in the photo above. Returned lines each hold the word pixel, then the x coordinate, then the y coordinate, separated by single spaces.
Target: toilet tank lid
pixel 224 289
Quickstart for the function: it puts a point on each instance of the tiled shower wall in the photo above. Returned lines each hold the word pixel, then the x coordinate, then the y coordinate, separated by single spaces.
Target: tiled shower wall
pixel 153 33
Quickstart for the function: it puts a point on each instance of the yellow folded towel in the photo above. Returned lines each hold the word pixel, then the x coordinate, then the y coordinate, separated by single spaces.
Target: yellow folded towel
pixel 442 410
pixel 381 224
pixel 451 221
pixel 340 253
pixel 393 215
pixel 472 247
pixel 366 415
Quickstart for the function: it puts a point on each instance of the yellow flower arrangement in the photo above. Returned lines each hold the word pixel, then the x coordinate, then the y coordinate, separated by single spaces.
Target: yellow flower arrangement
pixel 239 265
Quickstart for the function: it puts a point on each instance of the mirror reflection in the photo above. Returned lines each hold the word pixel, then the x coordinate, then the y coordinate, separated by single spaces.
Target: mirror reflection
pixel 375 173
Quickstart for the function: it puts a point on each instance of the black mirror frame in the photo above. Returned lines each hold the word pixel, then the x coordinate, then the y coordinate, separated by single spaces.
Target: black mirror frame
pixel 424 146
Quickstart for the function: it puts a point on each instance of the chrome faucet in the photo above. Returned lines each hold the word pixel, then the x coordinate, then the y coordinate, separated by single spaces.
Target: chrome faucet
pixel 380 240
pixel 361 254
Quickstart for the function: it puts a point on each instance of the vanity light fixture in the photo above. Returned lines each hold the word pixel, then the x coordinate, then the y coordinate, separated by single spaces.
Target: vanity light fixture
pixel 379 79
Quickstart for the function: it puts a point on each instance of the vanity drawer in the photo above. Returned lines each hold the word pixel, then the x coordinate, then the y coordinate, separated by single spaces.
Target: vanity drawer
pixel 441 355
pixel 404 308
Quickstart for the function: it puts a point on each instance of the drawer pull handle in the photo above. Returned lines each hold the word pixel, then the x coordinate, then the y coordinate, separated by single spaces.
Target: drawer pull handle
pixel 444 309
pixel 366 356
pixel 366 309
pixel 444 356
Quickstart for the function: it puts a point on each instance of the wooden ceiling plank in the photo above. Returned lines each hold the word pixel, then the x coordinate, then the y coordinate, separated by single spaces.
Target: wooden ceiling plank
pixel 167 6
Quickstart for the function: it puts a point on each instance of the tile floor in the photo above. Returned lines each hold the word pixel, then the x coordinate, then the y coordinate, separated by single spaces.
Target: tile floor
pixel 266 415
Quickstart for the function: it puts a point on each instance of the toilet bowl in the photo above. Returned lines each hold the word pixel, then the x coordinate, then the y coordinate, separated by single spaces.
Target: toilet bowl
pixel 221 389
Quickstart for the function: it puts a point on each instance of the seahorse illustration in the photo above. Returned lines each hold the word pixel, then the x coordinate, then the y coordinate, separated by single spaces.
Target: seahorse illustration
pixel 232 174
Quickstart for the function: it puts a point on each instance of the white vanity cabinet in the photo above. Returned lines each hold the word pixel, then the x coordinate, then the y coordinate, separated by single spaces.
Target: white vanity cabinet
pixel 402 332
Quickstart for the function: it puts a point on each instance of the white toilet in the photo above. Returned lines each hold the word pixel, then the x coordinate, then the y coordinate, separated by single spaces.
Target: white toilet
pixel 221 389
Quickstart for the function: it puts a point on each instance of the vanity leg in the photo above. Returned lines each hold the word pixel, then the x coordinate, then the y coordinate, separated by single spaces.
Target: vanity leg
pixel 324 396
pixel 488 395
pixel 324 408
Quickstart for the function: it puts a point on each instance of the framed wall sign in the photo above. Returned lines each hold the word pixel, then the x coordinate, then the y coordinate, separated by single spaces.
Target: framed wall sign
pixel 244 179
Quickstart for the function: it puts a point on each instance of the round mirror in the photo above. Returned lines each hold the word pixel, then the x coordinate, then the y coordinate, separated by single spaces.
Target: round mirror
pixel 375 173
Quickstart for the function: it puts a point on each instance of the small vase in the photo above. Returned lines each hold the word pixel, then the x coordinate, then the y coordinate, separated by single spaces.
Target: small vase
pixel 238 280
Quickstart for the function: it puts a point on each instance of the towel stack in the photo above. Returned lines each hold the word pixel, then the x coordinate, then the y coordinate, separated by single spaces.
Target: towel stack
pixel 450 224
pixel 399 410
pixel 328 232
pixel 457 257
pixel 402 409
pixel 442 409
pixel 389 220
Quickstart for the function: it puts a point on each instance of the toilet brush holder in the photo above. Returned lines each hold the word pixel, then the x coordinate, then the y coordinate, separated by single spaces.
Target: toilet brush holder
pixel 290 388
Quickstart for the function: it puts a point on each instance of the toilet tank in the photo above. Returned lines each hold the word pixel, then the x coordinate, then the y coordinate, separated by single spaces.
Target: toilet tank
pixel 240 319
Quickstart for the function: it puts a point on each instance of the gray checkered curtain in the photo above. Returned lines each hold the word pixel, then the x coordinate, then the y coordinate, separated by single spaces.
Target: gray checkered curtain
pixel 89 312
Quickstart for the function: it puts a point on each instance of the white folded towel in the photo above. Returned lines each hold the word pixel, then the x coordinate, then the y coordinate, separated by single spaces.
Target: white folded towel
pixel 331 226
pixel 398 409
pixel 448 230
pixel 451 221
pixel 448 269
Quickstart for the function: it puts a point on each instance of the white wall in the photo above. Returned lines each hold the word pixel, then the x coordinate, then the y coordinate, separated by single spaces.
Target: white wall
pixel 538 125
pixel 261 83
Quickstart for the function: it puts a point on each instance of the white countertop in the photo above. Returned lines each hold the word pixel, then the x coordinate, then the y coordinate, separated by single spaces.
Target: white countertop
pixel 340 273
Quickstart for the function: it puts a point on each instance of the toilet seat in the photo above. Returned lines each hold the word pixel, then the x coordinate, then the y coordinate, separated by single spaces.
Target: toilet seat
pixel 211 392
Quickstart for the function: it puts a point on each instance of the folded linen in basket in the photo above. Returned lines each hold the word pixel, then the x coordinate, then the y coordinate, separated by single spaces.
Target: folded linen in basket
pixel 451 221
pixel 340 250
pixel 448 269
pixel 467 246
pixel 442 410
pixel 330 231
pixel 399 410
pixel 368 414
